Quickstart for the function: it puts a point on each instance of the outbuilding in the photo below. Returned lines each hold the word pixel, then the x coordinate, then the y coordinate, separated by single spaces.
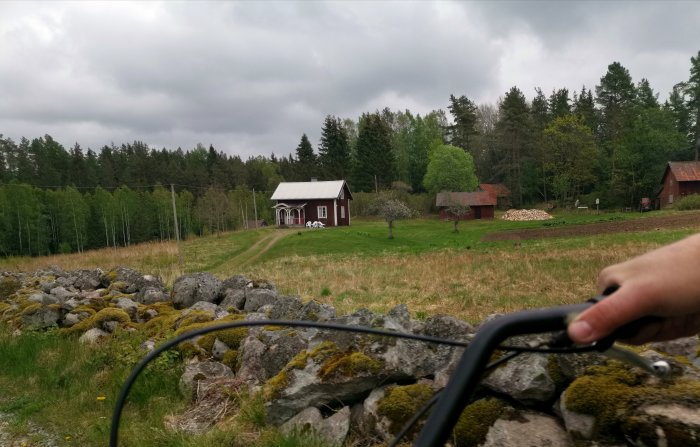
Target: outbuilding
pixel 500 192
pixel 327 202
pixel 481 204
pixel 681 178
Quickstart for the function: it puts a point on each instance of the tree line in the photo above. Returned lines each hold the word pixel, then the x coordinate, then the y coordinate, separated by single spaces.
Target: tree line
pixel 610 142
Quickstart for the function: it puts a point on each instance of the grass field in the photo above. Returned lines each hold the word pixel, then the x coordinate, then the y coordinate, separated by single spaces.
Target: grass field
pixel 426 265
pixel 67 389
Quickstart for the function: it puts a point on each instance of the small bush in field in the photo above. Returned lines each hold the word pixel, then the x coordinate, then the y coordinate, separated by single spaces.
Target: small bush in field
pixel 691 202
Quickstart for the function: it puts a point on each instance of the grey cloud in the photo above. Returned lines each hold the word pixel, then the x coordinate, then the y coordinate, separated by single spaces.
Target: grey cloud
pixel 251 77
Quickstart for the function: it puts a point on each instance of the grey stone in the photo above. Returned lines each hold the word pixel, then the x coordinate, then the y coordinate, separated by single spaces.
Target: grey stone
pixel 250 356
pixel 201 306
pixel 233 298
pixel 398 319
pixel 286 308
pixel 93 335
pixel 315 311
pixel 664 425
pixel 71 319
pixel 62 294
pixel 41 318
pixel 198 371
pixel 189 289
pixel 151 295
pixel 257 298
pixel 110 326
pixel 686 346
pixel 219 349
pixel 529 429
pixel 46 286
pixel 127 305
pixel 579 425
pixel 43 298
pixel 335 429
pixel 525 378
pixel 87 279
pixel 236 282
pixel 447 327
pixel 306 421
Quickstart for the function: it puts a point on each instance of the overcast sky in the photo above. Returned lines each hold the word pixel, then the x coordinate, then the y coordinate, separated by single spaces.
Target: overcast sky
pixel 251 77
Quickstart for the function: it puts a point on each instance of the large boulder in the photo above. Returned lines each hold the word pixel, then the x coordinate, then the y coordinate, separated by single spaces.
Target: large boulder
pixel 525 378
pixel 200 371
pixel 37 316
pixel 528 429
pixel 257 298
pixel 188 289
pixel 332 430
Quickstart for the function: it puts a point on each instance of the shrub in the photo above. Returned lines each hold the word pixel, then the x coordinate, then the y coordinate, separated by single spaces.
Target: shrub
pixel 691 202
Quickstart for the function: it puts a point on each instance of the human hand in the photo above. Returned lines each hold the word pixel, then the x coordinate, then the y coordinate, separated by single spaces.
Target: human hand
pixel 664 283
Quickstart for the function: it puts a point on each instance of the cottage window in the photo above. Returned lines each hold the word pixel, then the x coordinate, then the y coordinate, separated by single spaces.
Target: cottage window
pixel 342 212
pixel 322 212
pixel 342 194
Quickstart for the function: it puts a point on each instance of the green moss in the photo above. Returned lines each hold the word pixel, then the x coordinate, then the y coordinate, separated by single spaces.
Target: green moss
pixel 111 275
pixel 31 309
pixel 274 386
pixel 476 420
pixel 231 337
pixel 8 286
pixel 4 307
pixel 400 403
pixel 192 318
pixel 231 359
pixel 84 309
pixel 611 393
pixel 555 373
pixel 349 364
pixel 104 315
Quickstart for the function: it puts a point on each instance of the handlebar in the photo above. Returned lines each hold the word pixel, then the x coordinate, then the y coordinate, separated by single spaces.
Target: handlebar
pixel 473 362
pixel 439 425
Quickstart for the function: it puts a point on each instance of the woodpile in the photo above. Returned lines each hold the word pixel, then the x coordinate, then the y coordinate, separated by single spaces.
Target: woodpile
pixel 523 215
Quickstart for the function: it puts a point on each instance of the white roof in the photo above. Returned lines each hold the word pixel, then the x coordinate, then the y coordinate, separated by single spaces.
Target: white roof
pixel 308 190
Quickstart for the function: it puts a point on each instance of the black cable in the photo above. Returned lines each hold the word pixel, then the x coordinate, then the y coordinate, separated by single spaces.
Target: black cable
pixel 121 400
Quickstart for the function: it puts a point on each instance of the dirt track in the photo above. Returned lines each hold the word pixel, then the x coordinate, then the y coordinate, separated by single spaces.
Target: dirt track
pixel 675 221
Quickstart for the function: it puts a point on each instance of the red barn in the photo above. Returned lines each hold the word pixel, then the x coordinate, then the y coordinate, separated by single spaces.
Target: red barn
pixel 302 202
pixel 481 204
pixel 680 179
pixel 499 191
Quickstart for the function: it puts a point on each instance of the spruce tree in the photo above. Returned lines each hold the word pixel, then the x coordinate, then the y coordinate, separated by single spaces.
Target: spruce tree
pixel 334 149
pixel 463 130
pixel 307 164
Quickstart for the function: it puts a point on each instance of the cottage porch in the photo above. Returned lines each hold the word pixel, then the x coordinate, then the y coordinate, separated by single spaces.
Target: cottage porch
pixel 290 215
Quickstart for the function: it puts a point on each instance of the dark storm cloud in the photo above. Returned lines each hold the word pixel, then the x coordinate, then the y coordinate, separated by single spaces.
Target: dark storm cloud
pixel 251 77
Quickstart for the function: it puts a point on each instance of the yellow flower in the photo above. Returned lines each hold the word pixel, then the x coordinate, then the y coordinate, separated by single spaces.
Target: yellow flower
pixel 101 398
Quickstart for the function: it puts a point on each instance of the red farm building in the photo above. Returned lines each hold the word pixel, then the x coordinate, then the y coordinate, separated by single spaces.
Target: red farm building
pixel 302 202
pixel 680 179
pixel 500 192
pixel 481 204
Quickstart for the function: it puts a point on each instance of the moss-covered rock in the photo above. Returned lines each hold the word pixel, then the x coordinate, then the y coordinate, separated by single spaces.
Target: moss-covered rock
pixel 400 403
pixel 348 364
pixel 476 420
pixel 98 319
pixel 8 286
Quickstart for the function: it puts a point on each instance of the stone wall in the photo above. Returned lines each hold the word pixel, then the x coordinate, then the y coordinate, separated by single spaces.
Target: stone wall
pixel 359 389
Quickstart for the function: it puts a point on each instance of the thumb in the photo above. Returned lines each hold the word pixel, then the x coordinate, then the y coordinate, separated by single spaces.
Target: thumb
pixel 607 315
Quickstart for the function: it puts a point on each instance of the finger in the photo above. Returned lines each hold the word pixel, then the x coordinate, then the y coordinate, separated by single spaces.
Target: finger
pixel 604 317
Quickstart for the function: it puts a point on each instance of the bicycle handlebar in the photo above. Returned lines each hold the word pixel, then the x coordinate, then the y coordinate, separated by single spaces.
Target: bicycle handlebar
pixel 467 375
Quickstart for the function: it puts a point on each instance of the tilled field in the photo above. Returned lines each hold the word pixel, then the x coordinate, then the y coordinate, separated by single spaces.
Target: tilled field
pixel 685 220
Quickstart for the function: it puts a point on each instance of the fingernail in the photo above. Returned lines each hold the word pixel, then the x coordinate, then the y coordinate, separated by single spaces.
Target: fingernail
pixel 580 331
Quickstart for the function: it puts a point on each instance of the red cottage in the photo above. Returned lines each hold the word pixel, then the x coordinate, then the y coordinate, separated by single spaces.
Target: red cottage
pixel 680 179
pixel 302 202
pixel 481 204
